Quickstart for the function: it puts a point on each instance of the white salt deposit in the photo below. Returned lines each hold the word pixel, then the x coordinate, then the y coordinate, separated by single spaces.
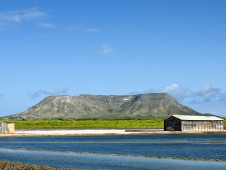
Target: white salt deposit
pixel 71 132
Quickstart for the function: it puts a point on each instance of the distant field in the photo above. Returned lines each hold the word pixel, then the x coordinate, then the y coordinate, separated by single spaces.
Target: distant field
pixel 88 124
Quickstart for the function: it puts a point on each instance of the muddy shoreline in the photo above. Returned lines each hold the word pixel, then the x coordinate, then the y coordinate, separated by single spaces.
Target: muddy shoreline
pixel 6 165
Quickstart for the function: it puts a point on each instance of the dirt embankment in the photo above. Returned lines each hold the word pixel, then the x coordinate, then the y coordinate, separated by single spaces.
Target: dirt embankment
pixel 4 165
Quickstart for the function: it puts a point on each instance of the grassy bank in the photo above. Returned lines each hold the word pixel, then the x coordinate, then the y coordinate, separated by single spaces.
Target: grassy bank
pixel 88 124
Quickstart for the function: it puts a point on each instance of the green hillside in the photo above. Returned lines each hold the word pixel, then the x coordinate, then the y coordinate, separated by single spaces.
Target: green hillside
pixel 141 106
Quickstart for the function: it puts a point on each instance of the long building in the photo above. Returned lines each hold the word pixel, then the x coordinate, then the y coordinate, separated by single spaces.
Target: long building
pixel 193 123
pixel 7 128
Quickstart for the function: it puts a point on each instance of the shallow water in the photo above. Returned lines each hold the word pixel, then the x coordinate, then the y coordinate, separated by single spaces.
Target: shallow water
pixel 71 160
pixel 118 152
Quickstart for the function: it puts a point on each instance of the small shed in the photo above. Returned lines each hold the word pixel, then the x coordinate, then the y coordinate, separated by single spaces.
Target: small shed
pixel 193 123
pixel 7 128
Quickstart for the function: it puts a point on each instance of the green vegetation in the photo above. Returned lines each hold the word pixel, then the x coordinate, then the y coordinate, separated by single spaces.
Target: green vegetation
pixel 88 124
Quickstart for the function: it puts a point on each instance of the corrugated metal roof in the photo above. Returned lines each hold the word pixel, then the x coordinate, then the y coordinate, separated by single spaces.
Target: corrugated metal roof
pixel 186 117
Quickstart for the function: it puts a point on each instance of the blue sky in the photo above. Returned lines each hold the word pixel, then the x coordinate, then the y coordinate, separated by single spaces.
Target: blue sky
pixel 118 47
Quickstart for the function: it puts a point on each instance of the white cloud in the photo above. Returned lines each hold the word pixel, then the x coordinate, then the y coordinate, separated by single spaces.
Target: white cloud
pixel 46 25
pixel 105 50
pixel 19 16
pixel 204 95
pixel 83 29
pixel 207 99
pixel 49 92
pixel 172 87
pixel 209 93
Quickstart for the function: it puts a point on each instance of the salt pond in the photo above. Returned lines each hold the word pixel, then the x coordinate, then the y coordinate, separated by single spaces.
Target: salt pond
pixel 119 152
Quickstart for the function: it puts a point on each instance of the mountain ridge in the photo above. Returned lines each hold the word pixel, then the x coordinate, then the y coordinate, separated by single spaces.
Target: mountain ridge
pixel 140 106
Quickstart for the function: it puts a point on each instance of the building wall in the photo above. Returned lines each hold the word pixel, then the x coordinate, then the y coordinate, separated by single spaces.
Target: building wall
pixel 194 125
pixel 172 124
pixel 3 127
pixel 6 128
pixel 11 128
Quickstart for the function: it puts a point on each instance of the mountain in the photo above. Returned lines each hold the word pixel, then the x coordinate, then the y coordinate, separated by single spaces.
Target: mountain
pixel 141 106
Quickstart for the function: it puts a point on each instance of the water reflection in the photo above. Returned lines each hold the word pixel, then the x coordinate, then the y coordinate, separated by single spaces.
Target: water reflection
pixel 75 160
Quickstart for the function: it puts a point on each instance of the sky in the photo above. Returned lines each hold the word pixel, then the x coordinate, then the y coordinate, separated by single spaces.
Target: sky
pixel 114 47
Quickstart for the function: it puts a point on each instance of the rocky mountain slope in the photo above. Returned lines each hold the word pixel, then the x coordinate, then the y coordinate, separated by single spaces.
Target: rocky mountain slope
pixel 141 106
